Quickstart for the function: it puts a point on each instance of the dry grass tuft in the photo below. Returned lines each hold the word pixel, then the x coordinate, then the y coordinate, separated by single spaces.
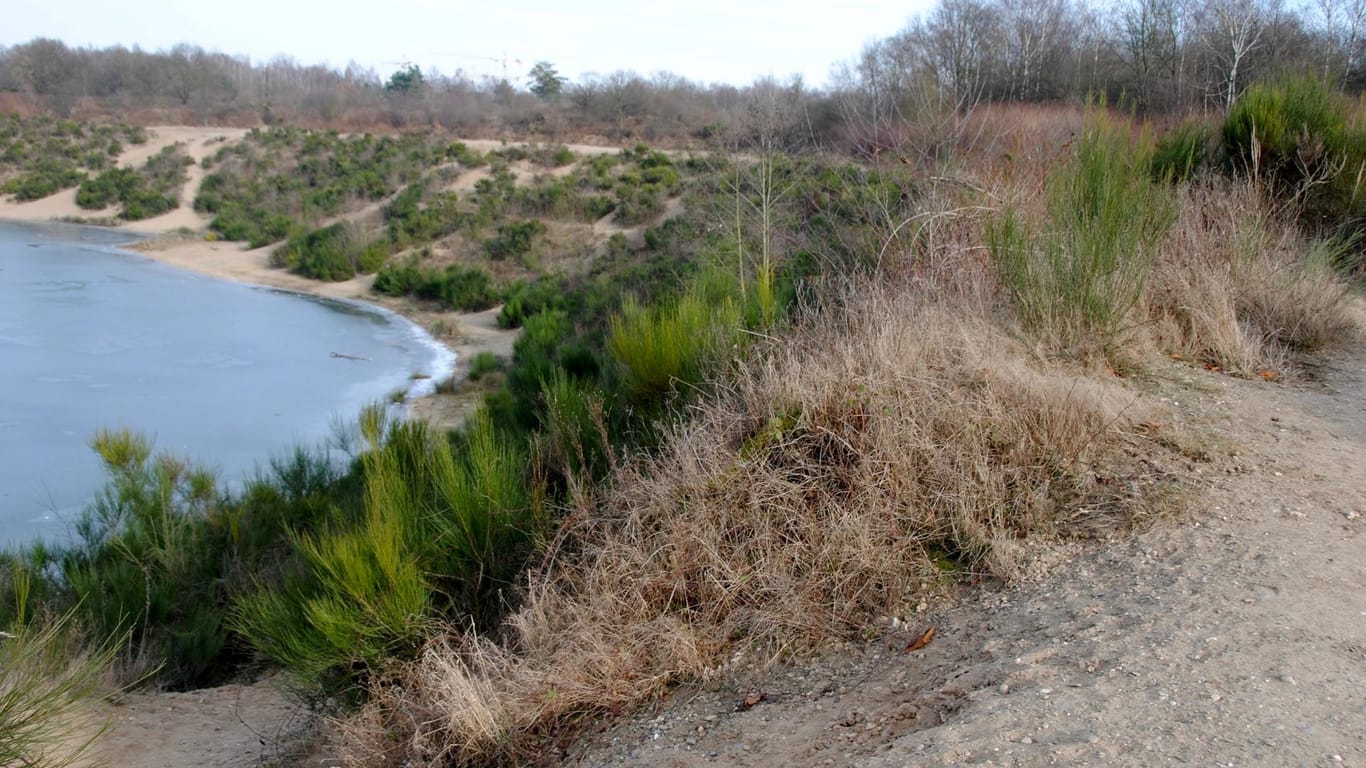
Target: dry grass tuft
pixel 826 487
pixel 1235 289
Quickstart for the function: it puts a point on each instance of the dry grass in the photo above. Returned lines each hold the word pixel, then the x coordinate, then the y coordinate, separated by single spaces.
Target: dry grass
pixel 1235 289
pixel 826 487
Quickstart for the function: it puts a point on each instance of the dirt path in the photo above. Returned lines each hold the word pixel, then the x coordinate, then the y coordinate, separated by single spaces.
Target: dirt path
pixel 235 726
pixel 1236 637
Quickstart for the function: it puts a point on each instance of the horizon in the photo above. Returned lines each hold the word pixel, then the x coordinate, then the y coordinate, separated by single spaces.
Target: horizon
pixel 716 43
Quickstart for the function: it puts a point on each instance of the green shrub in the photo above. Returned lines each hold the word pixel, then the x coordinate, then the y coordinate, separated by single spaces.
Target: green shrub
pixel 638 204
pixel 468 289
pixel 443 536
pixel 47 177
pixel 523 299
pixel 536 354
pixel 562 156
pixel 159 555
pixel 146 203
pixel 516 239
pixel 483 364
pixel 1184 153
pixel 149 191
pixel 146 566
pixel 1076 278
pixel 106 189
pixel 1294 137
pixel 409 221
pixel 661 348
pixel 575 427
pixel 336 252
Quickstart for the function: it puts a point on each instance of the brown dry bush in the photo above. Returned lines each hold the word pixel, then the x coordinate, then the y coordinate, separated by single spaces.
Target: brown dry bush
pixel 814 494
pixel 1234 288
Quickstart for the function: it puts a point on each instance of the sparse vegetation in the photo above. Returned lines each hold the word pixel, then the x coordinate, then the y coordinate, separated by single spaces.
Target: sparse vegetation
pixel 148 191
pixel 282 181
pixel 40 156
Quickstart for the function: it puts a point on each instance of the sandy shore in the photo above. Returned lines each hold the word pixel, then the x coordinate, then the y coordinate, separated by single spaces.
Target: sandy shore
pixel 179 238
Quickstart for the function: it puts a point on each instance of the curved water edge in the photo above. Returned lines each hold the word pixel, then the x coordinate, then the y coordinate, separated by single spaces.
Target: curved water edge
pixel 443 358
pixel 81 338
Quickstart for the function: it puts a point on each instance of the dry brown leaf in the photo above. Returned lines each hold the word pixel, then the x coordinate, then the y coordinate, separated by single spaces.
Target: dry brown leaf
pixel 750 701
pixel 922 641
pixel 1178 356
pixel 1149 426
pixel 1212 368
pixel 1268 374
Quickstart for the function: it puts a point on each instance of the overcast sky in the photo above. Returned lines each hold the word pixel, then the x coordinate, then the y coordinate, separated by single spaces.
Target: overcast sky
pixel 731 41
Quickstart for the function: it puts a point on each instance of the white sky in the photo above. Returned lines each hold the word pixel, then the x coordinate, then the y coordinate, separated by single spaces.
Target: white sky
pixel 708 41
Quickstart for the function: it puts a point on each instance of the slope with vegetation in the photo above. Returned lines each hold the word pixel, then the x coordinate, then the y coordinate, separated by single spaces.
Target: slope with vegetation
pixel 928 415
pixel 40 156
pixel 760 398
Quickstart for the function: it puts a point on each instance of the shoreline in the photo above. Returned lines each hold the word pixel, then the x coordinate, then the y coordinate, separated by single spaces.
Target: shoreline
pixel 455 338
pixel 180 238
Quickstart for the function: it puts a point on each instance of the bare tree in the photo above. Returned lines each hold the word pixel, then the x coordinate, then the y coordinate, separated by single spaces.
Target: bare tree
pixel 1234 30
pixel 961 39
pixel 1036 35
pixel 1150 40
pixel 1343 25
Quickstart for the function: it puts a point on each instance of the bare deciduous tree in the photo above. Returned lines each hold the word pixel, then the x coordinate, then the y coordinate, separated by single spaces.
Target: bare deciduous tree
pixel 1234 29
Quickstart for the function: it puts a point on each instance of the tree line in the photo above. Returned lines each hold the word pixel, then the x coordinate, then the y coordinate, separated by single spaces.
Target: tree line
pixel 1152 55
pixel 1161 55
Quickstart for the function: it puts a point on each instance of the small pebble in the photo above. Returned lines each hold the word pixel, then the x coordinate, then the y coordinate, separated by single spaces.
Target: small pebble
pixel 1026 740
pixel 1004 689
